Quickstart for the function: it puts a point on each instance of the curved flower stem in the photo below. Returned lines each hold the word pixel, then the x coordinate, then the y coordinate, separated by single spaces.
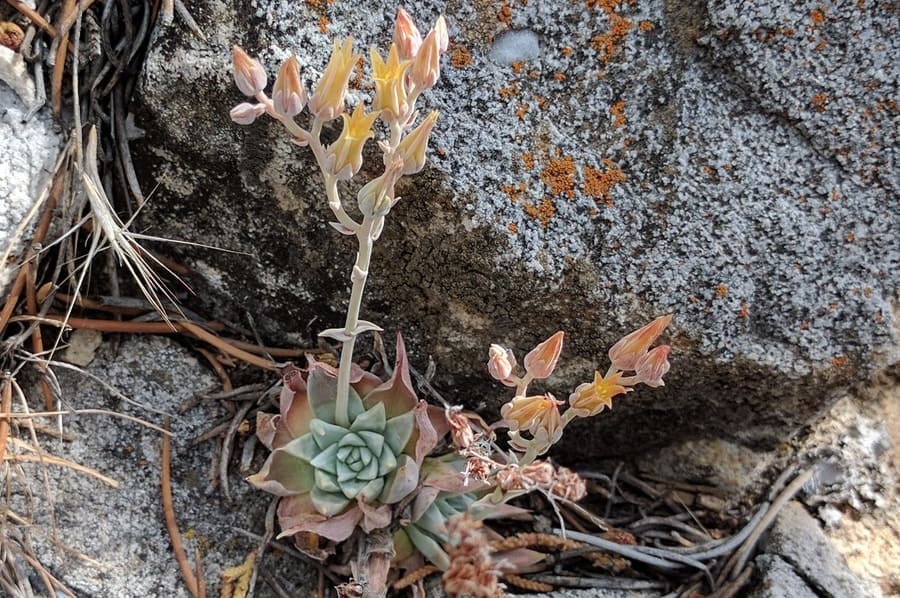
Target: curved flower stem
pixel 359 276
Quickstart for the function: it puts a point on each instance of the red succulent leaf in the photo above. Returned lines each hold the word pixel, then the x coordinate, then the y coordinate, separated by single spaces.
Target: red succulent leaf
pixel 397 393
pixel 297 514
pixel 427 436
pixel 373 517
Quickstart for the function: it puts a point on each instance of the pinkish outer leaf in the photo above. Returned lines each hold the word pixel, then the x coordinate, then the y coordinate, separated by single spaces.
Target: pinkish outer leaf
pixel 294 403
pixel 297 514
pixel 427 437
pixel 438 417
pixel 397 394
pixel 267 428
pixel 374 517
pixel 363 382
pixel 284 474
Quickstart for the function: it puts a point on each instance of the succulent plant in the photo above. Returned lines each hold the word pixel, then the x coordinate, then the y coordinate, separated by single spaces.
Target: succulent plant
pixel 334 476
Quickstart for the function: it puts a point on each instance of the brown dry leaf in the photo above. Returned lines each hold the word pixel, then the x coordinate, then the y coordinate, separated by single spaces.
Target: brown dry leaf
pixel 236 580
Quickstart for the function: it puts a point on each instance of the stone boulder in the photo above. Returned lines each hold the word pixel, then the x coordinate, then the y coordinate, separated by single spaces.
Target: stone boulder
pixel 595 164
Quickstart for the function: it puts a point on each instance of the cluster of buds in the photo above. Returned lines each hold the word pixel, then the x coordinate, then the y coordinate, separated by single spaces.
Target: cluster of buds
pixel 472 572
pixel 560 482
pixel 539 415
pixel 412 65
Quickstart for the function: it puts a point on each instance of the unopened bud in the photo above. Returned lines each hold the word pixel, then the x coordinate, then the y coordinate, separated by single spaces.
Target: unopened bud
pixel 501 363
pixel 245 113
pixel 288 94
pixel 541 361
pixel 653 365
pixel 249 74
pixel 377 196
pixel 624 354
pixel 406 35
pixel 426 67
pixel 440 31
pixel 412 148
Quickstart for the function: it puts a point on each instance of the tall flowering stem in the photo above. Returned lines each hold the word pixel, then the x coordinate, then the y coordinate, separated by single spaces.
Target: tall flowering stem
pixel 411 67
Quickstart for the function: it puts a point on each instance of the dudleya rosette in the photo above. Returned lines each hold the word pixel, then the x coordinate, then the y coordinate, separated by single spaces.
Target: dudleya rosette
pixel 333 477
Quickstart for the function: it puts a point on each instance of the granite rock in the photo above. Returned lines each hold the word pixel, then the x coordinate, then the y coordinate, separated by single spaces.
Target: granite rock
pixel 121 530
pixel 28 150
pixel 798 539
pixel 611 162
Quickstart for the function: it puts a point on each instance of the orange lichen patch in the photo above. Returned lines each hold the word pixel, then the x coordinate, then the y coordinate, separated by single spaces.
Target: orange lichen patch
pixel 820 101
pixel 521 110
pixel 721 290
pixel 850 237
pixel 323 24
pixel 744 312
pixel 319 4
pixel 804 325
pixel 566 51
pixel 514 192
pixel 509 92
pixel 517 67
pixel 505 14
pixel 617 111
pixel 559 76
pixel 513 228
pixel 867 292
pixel 817 15
pixel 541 101
pixel 606 43
pixel 527 161
pixel 821 45
pixel 606 6
pixel 459 56
pixel 559 175
pixel 543 213
pixel 840 361
pixel 598 183
pixel 533 74
pixel 693 299
pixel 646 26
pixel 358 72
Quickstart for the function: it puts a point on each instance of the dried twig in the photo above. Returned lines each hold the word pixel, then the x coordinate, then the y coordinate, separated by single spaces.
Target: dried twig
pixel 187 571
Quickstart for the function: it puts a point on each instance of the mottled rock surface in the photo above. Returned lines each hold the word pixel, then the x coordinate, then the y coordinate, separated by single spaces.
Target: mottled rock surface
pixel 734 166
pixel 122 529
pixel 27 153
pixel 798 540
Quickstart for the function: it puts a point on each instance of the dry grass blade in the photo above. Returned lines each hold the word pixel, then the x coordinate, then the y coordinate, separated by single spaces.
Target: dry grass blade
pixel 114 232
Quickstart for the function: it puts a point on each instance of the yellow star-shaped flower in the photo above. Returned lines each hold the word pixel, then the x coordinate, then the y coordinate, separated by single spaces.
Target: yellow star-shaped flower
pixel 390 83
pixel 592 398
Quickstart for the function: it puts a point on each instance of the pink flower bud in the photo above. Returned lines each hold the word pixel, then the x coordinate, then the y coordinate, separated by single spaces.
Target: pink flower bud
pixel 541 361
pixel 440 31
pixel 501 363
pixel 426 67
pixel 412 148
pixel 653 365
pixel 245 114
pixel 625 353
pixel 406 35
pixel 249 75
pixel 288 94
